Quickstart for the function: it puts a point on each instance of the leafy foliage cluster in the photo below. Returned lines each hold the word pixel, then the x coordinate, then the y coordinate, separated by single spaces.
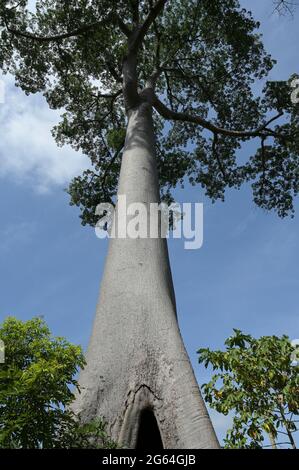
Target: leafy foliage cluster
pixel 36 390
pixel 198 61
pixel 258 381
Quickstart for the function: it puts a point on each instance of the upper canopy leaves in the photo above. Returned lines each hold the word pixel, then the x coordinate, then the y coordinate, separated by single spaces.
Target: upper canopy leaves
pixel 197 59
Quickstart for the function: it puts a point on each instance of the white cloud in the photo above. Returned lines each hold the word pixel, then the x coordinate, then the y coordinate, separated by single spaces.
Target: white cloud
pixel 28 152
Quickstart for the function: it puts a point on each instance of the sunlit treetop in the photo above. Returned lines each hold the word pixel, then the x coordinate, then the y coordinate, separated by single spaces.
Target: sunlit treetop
pixel 194 61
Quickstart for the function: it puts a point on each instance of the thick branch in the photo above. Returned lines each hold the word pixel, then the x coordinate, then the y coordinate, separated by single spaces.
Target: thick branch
pixel 76 32
pixel 159 68
pixel 141 32
pixel 135 11
pixel 152 79
pixel 110 95
pixel 113 72
pixel 56 37
pixel 167 113
pixel 130 89
pixel 123 27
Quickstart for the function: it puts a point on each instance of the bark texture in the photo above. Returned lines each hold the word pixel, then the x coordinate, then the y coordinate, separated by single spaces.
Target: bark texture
pixel 136 357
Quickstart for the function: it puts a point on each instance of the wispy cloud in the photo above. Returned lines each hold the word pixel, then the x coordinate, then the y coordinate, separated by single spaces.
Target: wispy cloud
pixel 28 152
pixel 16 234
pixel 244 224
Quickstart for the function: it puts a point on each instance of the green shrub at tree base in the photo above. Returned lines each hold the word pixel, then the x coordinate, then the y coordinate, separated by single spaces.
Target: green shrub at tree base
pixel 37 383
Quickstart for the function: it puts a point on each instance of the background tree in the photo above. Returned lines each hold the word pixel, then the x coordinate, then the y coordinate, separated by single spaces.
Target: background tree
pixel 258 381
pixel 37 381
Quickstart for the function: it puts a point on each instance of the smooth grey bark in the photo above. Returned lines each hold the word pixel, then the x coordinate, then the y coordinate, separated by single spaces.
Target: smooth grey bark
pixel 136 357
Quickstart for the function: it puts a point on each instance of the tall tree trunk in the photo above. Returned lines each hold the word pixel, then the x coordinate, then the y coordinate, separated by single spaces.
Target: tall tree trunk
pixel 136 359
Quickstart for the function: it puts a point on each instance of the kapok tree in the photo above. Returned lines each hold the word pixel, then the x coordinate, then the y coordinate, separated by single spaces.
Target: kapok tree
pixel 160 92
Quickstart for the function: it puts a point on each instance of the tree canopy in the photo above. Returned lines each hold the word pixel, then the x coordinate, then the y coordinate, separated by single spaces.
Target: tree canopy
pixel 194 61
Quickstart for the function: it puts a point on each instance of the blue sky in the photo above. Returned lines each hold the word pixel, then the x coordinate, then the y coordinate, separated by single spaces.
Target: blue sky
pixel 245 276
